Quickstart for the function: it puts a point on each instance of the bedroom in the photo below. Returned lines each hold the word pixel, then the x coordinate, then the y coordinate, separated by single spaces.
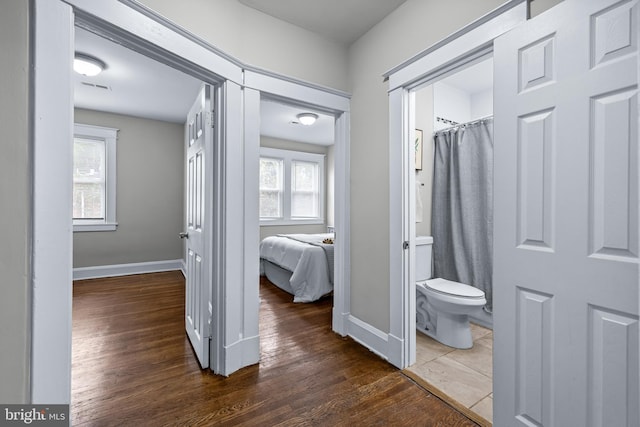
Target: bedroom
pixel 149 124
pixel 296 206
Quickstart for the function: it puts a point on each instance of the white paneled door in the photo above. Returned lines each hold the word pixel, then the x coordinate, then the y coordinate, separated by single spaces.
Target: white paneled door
pixel 566 218
pixel 199 140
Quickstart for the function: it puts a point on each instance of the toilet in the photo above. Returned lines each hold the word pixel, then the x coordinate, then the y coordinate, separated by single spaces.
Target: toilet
pixel 443 306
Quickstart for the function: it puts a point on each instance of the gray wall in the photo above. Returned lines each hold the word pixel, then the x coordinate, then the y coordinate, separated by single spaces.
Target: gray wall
pixel 283 144
pixel 150 194
pixel 260 39
pixel 15 216
pixel 417 24
pixel 410 29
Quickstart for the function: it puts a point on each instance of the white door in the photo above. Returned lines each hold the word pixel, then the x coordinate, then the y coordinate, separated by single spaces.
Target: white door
pixel 566 218
pixel 199 140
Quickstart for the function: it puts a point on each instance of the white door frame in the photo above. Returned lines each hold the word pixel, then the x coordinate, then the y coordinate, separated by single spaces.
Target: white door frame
pixel 461 49
pixel 258 82
pixel 149 33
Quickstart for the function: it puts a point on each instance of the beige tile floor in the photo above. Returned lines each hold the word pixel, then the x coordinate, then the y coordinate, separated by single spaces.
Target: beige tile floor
pixel 463 375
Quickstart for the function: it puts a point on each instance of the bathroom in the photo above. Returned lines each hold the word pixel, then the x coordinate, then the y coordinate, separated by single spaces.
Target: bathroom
pixel 460 372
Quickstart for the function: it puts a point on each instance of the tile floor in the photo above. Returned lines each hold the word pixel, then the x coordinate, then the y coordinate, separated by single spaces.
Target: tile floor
pixel 464 375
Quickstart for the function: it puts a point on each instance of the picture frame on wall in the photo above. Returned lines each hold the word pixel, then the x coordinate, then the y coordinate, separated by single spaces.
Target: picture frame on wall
pixel 418 148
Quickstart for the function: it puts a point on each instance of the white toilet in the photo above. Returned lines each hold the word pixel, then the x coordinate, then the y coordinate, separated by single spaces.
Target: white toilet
pixel 442 306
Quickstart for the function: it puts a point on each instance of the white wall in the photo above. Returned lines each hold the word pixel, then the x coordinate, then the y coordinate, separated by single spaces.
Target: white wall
pixel 450 103
pixel 15 190
pixel 424 178
pixel 482 104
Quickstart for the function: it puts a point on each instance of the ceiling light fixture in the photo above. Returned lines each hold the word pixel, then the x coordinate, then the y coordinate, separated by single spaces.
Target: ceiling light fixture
pixel 307 119
pixel 87 65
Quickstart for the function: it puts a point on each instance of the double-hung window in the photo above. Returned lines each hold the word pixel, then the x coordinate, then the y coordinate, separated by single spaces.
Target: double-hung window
pixel 94 178
pixel 291 187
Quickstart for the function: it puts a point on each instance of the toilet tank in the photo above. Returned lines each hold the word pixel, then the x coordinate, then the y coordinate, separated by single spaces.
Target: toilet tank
pixel 423 257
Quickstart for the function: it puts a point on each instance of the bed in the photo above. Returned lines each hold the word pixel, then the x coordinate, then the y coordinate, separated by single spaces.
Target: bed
pixel 300 264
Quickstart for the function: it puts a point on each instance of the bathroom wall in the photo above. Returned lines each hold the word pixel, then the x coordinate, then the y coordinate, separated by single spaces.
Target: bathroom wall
pixel 444 99
pixel 482 104
pixel 451 103
pixel 424 121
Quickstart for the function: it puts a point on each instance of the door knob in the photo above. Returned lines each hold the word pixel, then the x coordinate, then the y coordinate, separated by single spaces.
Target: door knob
pixel 184 235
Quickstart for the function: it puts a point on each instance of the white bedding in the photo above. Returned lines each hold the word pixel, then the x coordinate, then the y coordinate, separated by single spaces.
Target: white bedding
pixel 307 260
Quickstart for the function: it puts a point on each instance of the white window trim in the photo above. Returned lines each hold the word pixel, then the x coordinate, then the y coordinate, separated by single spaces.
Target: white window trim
pixel 289 156
pixel 109 136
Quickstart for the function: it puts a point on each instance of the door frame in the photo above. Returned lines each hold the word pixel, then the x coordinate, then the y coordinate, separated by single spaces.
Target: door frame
pixel 236 307
pixel 461 49
pixel 334 102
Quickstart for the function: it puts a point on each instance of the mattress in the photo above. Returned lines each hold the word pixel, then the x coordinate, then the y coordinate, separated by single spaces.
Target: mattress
pixel 308 259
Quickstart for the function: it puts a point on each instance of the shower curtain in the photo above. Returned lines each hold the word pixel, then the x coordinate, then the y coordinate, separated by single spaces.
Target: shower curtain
pixel 462 218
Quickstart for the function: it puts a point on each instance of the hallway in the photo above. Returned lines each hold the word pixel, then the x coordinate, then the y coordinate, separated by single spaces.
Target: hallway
pixel 133 365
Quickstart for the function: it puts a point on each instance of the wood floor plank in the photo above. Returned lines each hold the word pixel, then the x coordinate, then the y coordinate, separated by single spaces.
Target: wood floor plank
pixel 133 366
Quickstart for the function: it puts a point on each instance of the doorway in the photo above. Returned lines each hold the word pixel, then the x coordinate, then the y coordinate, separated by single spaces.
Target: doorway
pixel 297 199
pixel 146 103
pixel 461 376
pixel 239 85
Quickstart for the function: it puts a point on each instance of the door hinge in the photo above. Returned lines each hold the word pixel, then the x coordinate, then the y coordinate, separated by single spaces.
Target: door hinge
pixel 211 119
pixel 405 245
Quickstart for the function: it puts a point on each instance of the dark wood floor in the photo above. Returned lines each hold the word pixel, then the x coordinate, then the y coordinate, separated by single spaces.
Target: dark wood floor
pixel 133 366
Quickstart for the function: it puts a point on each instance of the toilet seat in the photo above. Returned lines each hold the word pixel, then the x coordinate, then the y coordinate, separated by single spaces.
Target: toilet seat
pixel 456 289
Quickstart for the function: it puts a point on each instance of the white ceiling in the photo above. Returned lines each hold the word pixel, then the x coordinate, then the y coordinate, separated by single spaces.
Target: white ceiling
pixel 135 85
pixel 278 120
pixel 474 79
pixel 141 87
pixel 343 21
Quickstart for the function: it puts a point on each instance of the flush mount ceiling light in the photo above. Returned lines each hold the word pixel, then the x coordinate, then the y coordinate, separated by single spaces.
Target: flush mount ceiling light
pixel 307 119
pixel 87 65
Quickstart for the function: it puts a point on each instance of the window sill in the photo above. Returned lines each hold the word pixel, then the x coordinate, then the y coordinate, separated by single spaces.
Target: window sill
pixel 274 222
pixel 79 228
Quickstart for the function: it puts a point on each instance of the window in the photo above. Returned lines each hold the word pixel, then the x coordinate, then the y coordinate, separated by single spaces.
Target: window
pixel 291 187
pixel 94 178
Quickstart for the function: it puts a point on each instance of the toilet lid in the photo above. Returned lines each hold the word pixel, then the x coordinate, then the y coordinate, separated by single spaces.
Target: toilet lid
pixel 454 288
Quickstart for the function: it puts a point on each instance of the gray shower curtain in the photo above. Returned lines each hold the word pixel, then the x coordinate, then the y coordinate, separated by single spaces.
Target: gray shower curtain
pixel 462 218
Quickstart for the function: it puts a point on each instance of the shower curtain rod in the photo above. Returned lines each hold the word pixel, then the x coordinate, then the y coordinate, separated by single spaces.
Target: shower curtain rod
pixel 461 125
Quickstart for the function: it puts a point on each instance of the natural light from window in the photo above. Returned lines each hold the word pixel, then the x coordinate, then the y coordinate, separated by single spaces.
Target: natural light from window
pixel 291 187
pixel 94 178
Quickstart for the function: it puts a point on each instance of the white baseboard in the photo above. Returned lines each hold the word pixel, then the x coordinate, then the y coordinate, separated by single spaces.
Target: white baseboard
pixel 370 337
pixel 396 352
pixel 242 353
pixel 126 269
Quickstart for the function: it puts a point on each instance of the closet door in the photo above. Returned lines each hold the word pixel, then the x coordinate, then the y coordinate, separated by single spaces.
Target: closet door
pixel 566 218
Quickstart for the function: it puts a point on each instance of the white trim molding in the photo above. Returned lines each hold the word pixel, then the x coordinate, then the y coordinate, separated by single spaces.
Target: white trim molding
pixel 52 250
pixel 95 272
pixel 476 37
pixel 332 102
pixel 342 226
pixel 457 51
pixel 368 336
